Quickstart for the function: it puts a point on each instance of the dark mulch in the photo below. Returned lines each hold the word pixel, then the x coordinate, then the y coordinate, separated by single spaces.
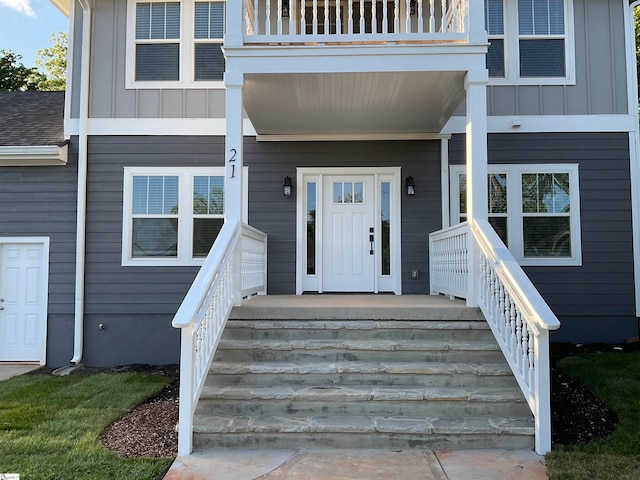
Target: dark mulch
pixel 149 430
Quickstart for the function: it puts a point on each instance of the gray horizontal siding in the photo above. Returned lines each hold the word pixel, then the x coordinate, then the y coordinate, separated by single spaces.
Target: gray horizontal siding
pixel 595 302
pixel 135 302
pixel 41 201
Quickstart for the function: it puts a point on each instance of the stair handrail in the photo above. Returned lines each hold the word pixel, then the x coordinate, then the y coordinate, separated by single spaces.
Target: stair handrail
pixel 220 284
pixel 520 320
pixel 519 317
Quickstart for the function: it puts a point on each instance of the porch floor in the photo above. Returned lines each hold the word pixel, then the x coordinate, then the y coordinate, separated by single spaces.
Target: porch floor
pixel 355 307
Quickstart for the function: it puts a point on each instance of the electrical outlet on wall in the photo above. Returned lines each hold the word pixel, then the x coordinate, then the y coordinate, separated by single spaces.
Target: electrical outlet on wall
pixel 415 274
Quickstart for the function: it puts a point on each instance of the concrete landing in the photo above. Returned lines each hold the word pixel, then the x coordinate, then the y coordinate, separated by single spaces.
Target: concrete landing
pixel 354 307
pixel 220 464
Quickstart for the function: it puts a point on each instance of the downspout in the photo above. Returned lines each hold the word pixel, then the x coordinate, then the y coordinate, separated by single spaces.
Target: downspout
pixel 83 120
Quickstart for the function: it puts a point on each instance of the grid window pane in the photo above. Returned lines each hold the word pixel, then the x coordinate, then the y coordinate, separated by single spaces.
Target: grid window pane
pixel 157 21
pixel 499 224
pixel 545 193
pixel 154 237
pixel 209 62
pixel 208 195
pixel 494 17
pixel 546 237
pixel 205 232
pixel 495 58
pixel 542 58
pixel 158 61
pixel 155 195
pixel 385 226
pixel 209 20
pixel 497 189
pixel 311 228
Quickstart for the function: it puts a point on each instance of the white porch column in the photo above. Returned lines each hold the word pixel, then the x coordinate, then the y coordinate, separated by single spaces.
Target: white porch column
pixel 233 36
pixel 476 155
pixel 233 193
pixel 475 18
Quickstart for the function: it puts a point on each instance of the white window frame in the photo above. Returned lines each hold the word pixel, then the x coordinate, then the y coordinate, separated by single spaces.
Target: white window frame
pixel 514 208
pixel 187 50
pixel 512 50
pixel 185 208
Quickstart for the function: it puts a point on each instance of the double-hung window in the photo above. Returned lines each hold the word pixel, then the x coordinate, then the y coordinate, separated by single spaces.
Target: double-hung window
pixel 534 209
pixel 175 44
pixel 531 41
pixel 172 216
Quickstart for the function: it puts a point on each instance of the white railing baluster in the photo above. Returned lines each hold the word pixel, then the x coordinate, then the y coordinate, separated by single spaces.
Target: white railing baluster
pixel 303 21
pixel 444 15
pixel 396 16
pixel 279 18
pixel 267 19
pixel 518 316
pixel 407 18
pixel 385 17
pixel 326 17
pixel 361 21
pixel 206 307
pixel 420 19
pixel 374 23
pixel 432 16
pixel 350 14
pixel 338 17
pixel 314 27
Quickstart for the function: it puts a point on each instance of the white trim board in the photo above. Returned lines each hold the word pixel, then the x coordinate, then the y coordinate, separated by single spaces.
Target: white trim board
pixel 38 155
pixel 217 126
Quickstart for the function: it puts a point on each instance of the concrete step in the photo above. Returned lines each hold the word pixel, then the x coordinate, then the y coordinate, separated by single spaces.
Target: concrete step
pixel 344 431
pixel 362 400
pixel 360 330
pixel 428 374
pixel 357 350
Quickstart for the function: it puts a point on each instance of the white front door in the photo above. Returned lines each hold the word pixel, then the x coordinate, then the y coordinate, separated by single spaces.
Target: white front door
pixel 348 232
pixel 23 297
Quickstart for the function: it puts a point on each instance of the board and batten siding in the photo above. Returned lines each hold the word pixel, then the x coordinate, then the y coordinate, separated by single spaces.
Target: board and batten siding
pixel 599 58
pixel 595 302
pixel 135 304
pixel 41 202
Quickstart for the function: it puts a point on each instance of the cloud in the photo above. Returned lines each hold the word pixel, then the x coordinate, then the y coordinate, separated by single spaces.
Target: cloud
pixel 21 6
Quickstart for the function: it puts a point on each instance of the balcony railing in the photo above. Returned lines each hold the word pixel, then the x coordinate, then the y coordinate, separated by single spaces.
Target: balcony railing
pixel 351 21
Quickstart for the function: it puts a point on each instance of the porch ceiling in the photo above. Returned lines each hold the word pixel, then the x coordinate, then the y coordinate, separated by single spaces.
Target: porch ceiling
pixel 352 103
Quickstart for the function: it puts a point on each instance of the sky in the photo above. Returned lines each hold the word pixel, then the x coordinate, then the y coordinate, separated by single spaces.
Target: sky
pixel 26 26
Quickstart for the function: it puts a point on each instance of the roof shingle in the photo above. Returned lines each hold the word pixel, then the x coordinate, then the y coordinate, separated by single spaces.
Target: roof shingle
pixel 31 118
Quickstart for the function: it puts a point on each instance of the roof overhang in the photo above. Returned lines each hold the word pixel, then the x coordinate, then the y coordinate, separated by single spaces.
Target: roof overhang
pixel 352 105
pixel 62 5
pixel 40 155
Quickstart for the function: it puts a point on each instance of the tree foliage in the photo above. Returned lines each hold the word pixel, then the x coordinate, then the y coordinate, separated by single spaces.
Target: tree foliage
pixel 53 61
pixel 15 76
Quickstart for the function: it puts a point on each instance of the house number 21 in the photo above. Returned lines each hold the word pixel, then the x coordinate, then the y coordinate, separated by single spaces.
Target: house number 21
pixel 232 160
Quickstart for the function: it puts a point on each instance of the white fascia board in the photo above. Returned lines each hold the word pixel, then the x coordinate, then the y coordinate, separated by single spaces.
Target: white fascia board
pixel 548 123
pixel 62 5
pixel 33 156
pixel 156 126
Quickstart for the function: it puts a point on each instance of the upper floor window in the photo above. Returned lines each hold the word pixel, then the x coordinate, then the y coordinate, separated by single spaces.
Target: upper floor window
pixel 534 209
pixel 531 41
pixel 175 44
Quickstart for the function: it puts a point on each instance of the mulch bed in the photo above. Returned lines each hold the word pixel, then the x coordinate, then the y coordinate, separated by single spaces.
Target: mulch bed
pixel 149 430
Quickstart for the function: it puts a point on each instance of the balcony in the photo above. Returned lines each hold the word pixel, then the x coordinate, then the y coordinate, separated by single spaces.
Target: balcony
pixel 335 68
pixel 344 22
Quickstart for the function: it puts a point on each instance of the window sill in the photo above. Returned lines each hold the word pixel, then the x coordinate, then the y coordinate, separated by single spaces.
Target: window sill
pixel 217 85
pixel 534 81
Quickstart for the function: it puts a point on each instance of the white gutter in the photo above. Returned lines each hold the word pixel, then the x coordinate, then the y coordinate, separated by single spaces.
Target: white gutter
pixel 82 184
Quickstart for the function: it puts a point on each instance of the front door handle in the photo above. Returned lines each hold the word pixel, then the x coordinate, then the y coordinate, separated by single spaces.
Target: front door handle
pixel 371 240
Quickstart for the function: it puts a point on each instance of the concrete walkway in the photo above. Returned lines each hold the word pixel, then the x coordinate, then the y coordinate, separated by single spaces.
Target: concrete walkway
pixel 8 370
pixel 223 464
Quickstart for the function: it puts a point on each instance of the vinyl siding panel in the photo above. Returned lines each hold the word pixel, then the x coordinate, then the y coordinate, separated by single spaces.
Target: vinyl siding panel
pixel 594 302
pixel 41 202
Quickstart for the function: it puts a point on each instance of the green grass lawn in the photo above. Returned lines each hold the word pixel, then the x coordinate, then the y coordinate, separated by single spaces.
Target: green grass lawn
pixel 49 426
pixel 615 378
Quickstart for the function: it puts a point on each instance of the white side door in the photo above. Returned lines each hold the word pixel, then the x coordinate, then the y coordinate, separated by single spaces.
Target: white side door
pixel 348 255
pixel 23 298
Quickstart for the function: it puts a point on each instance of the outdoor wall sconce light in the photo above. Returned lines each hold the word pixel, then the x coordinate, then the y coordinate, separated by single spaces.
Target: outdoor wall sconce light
pixel 411 186
pixel 286 186
pixel 285 8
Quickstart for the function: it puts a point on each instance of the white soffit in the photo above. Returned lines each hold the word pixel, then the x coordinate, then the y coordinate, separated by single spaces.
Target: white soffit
pixel 352 103
pixel 33 156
